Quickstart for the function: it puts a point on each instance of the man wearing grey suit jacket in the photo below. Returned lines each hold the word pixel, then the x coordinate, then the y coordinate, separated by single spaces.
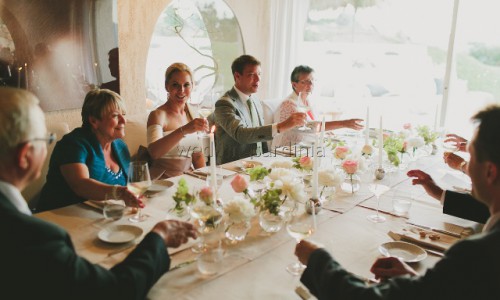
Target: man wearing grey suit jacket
pixel 240 129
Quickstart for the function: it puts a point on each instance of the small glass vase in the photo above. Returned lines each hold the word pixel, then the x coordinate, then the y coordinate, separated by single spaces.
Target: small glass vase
pixel 269 222
pixel 237 231
pixel 351 183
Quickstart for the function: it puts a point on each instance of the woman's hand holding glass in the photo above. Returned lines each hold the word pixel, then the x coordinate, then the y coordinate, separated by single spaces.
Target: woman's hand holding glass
pixel 196 125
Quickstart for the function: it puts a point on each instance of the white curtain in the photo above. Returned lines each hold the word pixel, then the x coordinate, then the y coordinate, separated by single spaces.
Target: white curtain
pixel 288 19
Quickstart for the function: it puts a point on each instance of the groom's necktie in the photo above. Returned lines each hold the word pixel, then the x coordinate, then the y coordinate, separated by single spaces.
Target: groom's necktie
pixel 255 122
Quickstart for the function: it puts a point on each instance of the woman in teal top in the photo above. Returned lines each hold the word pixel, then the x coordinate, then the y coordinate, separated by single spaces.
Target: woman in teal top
pixel 91 162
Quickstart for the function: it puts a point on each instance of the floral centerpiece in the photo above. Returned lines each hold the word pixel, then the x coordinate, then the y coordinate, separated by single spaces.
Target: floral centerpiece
pixel 328 178
pixel 350 166
pixel 428 135
pixel 240 185
pixel 239 211
pixel 304 163
pixel 182 197
pixel 394 145
pixel 284 164
pixel 257 173
pixel 341 152
pixel 414 143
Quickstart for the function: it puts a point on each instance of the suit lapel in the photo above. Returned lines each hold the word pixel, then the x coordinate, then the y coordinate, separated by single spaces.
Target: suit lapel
pixel 242 110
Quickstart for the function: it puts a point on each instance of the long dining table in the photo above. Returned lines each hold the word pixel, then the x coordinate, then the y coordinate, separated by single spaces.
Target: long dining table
pixel 255 267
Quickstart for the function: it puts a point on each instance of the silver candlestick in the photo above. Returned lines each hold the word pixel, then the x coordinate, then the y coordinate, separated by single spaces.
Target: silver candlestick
pixel 318 204
pixel 379 173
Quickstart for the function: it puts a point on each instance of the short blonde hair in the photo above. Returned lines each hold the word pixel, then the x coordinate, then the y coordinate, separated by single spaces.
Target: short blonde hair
pixel 18 119
pixel 177 67
pixel 98 102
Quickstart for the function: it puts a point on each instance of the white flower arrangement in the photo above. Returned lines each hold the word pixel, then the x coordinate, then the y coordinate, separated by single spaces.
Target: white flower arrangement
pixel 329 178
pixel 284 164
pixel 278 173
pixel 290 187
pixel 415 142
pixel 239 210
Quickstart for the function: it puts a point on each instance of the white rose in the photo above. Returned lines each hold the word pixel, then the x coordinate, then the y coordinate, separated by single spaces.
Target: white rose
pixel 415 142
pixel 293 189
pixel 329 178
pixel 278 173
pixel 239 210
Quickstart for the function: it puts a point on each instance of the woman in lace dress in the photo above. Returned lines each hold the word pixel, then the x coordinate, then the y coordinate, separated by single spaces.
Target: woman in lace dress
pixel 172 128
pixel 302 79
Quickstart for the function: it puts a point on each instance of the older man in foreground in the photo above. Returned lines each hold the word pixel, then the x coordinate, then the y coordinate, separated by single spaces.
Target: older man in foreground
pixel 37 258
pixel 469 270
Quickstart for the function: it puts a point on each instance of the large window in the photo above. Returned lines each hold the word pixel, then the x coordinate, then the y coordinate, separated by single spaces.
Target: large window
pixel 391 55
pixel 205 35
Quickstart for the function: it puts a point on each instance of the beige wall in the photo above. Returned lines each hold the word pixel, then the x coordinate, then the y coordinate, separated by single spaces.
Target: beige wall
pixel 136 21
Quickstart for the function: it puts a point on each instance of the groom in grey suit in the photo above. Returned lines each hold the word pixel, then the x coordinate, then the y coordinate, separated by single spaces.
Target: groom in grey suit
pixel 240 129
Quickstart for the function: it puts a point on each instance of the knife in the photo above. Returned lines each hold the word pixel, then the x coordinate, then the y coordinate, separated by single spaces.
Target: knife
pixel 453 234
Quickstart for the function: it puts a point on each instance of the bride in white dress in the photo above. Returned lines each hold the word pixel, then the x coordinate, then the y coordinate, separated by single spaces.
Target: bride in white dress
pixel 172 130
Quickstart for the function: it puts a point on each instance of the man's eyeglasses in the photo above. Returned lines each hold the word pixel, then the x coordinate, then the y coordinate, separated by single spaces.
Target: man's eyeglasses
pixel 50 138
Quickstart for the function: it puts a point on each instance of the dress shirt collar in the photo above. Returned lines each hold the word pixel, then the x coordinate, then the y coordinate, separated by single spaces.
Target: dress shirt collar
pixel 15 197
pixel 243 97
pixel 494 219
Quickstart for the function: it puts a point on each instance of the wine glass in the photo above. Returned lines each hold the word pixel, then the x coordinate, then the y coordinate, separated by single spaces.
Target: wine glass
pixel 299 226
pixel 303 106
pixel 377 190
pixel 139 181
pixel 207 105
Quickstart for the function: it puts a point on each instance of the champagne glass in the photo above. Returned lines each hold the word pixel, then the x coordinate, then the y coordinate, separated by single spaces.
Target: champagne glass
pixel 139 181
pixel 207 106
pixel 300 226
pixel 377 190
pixel 303 106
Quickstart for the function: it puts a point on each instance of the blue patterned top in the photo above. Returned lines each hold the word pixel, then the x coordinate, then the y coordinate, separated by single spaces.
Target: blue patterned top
pixel 80 146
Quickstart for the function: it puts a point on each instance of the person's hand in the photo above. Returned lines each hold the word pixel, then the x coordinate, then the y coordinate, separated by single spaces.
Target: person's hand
pixel 198 124
pixel 454 161
pixel 353 124
pixel 304 249
pixel 459 141
pixel 427 183
pixel 175 233
pixel 198 159
pixel 128 197
pixel 295 119
pixel 388 267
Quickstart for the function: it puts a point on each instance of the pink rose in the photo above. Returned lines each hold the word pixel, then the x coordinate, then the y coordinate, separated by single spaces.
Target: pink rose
pixel 206 194
pixel 407 126
pixel 239 184
pixel 341 152
pixel 306 162
pixel 405 146
pixel 350 166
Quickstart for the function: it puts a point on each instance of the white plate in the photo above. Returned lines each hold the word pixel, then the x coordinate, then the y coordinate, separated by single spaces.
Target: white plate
pixel 159 186
pixel 405 251
pixel 248 164
pixel 119 233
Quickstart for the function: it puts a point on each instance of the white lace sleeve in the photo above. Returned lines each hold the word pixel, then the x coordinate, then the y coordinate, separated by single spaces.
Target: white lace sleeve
pixel 154 133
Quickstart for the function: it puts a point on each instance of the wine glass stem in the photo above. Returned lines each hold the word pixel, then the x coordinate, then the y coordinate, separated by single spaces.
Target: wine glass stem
pixel 138 215
pixel 378 204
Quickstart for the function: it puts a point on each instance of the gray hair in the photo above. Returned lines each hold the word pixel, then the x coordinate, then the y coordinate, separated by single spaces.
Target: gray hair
pixel 18 119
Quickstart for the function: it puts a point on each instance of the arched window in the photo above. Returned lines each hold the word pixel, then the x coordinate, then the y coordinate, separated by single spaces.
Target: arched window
pixel 205 35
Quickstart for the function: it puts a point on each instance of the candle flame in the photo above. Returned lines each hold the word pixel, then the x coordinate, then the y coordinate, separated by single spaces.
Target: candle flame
pixel 26 64
pixel 20 68
pixel 213 129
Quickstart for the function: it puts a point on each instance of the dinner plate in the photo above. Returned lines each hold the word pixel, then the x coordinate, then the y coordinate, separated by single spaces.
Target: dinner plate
pixel 405 251
pixel 119 234
pixel 160 185
pixel 248 164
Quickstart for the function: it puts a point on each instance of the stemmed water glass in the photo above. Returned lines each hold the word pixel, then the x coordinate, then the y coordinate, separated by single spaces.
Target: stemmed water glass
pixel 138 183
pixel 299 226
pixel 303 106
pixel 377 190
pixel 207 105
